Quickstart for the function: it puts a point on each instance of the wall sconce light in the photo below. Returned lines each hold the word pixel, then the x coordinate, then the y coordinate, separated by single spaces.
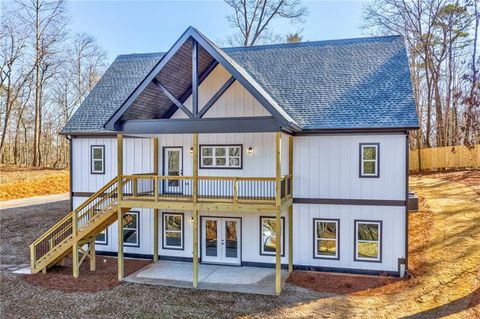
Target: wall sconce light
pixel 250 150
pixel 191 150
pixel 191 220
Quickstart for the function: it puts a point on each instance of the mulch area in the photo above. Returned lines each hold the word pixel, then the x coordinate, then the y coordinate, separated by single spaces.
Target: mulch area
pixel 338 283
pixel 104 277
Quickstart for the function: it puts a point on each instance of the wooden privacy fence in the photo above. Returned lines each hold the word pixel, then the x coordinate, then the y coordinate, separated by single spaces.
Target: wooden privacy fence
pixel 449 157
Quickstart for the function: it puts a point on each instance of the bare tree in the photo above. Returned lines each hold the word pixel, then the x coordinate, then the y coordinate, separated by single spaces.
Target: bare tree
pixel 253 18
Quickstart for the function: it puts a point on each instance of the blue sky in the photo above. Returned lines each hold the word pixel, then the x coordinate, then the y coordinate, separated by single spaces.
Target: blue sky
pixel 151 26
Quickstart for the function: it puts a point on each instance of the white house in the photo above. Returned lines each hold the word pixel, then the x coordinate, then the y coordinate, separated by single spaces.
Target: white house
pixel 290 155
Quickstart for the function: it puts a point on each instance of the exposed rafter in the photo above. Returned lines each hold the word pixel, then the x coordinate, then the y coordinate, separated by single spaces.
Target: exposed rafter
pixel 216 96
pixel 172 98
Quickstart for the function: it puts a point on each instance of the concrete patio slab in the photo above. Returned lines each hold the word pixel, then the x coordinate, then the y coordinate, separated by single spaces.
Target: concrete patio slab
pixel 252 280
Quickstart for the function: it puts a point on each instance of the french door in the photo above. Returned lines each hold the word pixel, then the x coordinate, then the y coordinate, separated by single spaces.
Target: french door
pixel 221 240
pixel 172 166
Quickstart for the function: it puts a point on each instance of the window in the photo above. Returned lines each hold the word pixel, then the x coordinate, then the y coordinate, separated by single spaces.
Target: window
pixel 131 229
pixel 268 236
pixel 326 232
pixel 102 238
pixel 172 231
pixel 221 156
pixel 97 155
pixel 369 160
pixel 368 237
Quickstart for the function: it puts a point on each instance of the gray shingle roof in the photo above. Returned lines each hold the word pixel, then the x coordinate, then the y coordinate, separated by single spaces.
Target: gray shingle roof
pixel 338 84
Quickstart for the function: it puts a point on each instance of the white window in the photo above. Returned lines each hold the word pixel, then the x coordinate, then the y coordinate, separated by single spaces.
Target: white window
pixel 172 231
pixel 326 238
pixel 268 235
pixel 369 161
pixel 368 237
pixel 102 238
pixel 131 229
pixel 221 156
pixel 97 155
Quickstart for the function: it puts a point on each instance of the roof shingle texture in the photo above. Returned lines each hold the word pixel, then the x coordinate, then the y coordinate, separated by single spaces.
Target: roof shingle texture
pixel 338 84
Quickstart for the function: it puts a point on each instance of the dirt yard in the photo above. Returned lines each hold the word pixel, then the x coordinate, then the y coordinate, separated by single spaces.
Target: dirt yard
pixel 20 182
pixel 444 261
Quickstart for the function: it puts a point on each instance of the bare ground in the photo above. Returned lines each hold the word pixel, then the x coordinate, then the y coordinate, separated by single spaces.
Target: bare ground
pixel 444 260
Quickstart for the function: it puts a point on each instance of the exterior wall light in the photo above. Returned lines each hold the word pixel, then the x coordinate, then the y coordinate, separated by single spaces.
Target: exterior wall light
pixel 191 150
pixel 250 150
pixel 191 220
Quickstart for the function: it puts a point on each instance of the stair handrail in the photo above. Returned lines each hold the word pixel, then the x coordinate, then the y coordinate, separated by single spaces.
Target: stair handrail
pixel 66 219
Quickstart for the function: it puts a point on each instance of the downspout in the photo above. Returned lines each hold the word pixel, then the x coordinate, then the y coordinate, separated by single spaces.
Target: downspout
pixel 406 199
pixel 70 163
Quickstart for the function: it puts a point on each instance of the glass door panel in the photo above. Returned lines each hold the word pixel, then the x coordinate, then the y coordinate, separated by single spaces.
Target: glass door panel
pixel 172 163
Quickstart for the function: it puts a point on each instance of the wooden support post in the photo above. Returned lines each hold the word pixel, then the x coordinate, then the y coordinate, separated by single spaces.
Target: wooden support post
pixel 74 222
pixel 290 208
pixel 195 248
pixel 91 254
pixel 33 257
pixel 75 265
pixel 155 235
pixel 278 219
pixel 155 155
pixel 195 211
pixel 195 167
pixel 120 243
pixel 120 166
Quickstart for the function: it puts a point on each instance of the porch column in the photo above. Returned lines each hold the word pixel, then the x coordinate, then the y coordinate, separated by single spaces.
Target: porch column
pixel 195 211
pixel 290 208
pixel 155 211
pixel 119 208
pixel 278 220
pixel 92 256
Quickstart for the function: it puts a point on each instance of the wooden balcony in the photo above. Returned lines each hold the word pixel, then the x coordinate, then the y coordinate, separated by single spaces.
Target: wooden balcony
pixel 216 193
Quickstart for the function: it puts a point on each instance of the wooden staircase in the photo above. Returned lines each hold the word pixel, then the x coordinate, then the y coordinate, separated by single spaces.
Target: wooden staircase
pixel 79 228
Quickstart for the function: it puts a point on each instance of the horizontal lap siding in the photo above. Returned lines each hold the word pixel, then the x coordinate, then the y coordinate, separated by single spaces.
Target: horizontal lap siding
pixel 328 167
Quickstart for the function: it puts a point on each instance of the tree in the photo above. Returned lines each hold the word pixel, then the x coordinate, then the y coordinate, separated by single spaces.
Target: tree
pixel 294 37
pixel 253 18
pixel 46 19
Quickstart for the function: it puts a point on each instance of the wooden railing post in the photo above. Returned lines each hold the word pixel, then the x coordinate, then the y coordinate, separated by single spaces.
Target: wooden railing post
pixel 74 222
pixel 235 191
pixel 155 185
pixel 120 167
pixel 195 167
pixel 33 257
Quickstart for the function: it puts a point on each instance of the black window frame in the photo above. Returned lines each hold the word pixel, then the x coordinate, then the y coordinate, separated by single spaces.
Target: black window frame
pixel 106 238
pixel 377 161
pixel 380 240
pixel 165 247
pixel 337 239
pixel 282 248
pixel 92 159
pixel 125 244
pixel 200 163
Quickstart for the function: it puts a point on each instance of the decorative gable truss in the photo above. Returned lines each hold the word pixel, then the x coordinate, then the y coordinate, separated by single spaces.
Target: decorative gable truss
pixel 177 78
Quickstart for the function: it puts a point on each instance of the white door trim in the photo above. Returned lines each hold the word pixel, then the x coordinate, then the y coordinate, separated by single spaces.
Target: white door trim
pixel 221 241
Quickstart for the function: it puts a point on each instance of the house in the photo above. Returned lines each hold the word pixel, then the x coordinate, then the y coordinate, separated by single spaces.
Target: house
pixel 284 155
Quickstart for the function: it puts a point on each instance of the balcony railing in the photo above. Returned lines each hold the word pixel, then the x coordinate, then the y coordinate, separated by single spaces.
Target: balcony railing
pixel 209 188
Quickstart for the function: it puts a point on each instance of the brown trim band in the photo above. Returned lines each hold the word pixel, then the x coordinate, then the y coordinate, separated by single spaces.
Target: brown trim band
pixel 342 201
pixel 82 194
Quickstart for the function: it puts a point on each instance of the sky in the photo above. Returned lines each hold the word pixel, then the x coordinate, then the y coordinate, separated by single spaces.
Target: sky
pixel 123 27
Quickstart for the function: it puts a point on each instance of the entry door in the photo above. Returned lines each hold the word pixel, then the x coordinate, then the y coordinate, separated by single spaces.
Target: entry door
pixel 221 242
pixel 172 166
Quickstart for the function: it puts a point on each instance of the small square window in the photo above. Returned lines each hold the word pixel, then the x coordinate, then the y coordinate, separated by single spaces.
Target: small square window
pixel 368 237
pixel 326 232
pixel 268 235
pixel 172 231
pixel 131 229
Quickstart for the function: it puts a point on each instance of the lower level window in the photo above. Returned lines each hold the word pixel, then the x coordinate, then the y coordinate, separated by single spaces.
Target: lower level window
pixel 268 235
pixel 326 238
pixel 172 231
pixel 131 229
pixel 102 238
pixel 368 240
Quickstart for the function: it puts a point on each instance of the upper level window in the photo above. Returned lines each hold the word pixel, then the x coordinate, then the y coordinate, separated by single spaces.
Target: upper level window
pixel 368 237
pixel 221 156
pixel 268 235
pixel 97 155
pixel 369 159
pixel 326 238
